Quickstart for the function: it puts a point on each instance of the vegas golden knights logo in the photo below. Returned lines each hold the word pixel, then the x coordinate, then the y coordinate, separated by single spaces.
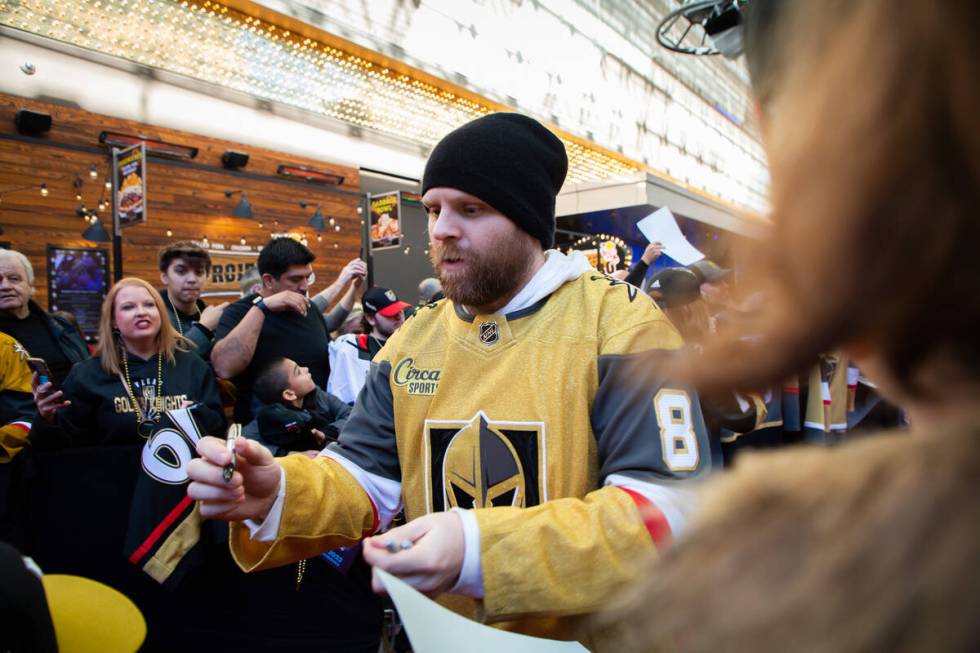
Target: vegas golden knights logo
pixel 480 463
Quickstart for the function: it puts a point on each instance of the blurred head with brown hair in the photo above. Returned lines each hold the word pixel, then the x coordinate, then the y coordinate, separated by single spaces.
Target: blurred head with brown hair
pixel 874 147
pixel 874 150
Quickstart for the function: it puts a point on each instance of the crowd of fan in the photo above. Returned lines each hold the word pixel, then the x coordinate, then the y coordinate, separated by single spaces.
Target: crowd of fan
pixel 865 546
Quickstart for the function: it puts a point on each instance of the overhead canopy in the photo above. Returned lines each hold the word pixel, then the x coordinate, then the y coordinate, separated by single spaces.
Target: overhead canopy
pixel 649 190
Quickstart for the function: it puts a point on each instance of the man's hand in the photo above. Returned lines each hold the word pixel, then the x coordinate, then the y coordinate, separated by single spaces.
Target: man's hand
pixel 252 489
pixel 287 300
pixel 432 565
pixel 211 315
pixel 355 269
pixel 47 402
pixel 652 252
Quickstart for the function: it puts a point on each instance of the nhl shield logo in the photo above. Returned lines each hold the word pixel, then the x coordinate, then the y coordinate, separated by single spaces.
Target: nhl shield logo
pixel 489 333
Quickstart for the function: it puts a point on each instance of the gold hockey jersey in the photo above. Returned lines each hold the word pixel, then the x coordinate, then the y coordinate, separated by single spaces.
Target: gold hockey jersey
pixel 552 423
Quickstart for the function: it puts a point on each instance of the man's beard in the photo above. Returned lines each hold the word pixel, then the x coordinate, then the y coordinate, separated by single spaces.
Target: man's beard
pixel 487 276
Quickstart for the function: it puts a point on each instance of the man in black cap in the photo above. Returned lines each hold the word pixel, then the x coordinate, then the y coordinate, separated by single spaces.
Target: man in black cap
pixel 536 451
pixel 351 354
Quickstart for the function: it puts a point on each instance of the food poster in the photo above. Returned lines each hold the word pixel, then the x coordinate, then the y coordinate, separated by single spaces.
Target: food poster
pixel 129 168
pixel 386 228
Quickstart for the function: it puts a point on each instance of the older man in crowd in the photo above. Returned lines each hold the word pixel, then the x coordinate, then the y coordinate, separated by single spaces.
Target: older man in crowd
pixel 44 336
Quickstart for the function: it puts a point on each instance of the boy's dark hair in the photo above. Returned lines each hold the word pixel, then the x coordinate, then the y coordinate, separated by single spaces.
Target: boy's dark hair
pixel 192 253
pixel 281 253
pixel 271 381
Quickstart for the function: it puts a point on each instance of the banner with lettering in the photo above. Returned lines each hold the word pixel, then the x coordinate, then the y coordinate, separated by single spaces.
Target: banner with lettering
pixel 385 225
pixel 129 184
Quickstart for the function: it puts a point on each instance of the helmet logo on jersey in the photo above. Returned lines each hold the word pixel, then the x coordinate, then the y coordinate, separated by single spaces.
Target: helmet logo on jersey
pixel 482 463
pixel 481 469
pixel 489 333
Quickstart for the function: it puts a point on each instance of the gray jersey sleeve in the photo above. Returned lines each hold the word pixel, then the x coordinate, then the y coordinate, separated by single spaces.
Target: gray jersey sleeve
pixel 368 437
pixel 645 426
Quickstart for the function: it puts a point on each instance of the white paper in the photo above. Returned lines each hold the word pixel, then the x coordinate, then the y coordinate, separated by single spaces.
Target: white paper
pixel 432 628
pixel 661 226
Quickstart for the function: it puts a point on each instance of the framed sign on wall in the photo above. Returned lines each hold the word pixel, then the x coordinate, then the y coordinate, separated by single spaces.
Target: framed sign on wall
pixel 78 279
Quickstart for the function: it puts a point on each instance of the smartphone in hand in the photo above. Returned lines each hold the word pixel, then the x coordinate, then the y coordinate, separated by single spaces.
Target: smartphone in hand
pixel 39 366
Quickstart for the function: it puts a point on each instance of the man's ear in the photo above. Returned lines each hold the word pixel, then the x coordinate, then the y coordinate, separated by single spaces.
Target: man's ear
pixel 268 280
pixel 288 394
pixel 163 278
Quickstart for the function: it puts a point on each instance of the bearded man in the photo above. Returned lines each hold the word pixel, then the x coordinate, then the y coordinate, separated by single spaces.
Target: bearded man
pixel 520 423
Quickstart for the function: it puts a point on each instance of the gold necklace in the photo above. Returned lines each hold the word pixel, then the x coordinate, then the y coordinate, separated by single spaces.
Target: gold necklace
pixel 300 572
pixel 180 329
pixel 144 426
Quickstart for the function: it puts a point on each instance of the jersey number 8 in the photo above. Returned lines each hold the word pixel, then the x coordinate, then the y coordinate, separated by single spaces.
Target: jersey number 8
pixel 677 437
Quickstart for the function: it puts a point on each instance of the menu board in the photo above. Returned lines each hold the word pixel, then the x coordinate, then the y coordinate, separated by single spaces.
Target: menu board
pixel 78 279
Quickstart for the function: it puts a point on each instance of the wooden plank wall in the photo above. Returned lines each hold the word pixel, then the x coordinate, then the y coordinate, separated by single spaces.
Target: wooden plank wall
pixel 188 200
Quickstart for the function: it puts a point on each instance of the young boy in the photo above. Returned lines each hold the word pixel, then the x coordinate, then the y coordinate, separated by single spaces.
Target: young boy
pixel 184 270
pixel 295 415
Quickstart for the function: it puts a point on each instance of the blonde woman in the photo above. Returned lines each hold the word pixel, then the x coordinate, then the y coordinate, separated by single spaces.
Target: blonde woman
pixel 141 369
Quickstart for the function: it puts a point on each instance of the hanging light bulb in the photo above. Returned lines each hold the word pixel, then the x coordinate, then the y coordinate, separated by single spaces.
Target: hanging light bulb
pixel 242 240
pixel 108 185
pixel 337 228
pixel 78 197
pixel 169 233
pixel 332 222
pixel 319 238
pixel 44 190
pixel 93 172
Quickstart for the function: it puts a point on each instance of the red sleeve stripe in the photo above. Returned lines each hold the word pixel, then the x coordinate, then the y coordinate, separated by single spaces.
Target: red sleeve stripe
pixel 377 518
pixel 161 528
pixel 653 519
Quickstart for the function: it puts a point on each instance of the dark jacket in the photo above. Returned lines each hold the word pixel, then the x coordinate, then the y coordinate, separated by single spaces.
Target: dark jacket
pixel 283 429
pixel 101 413
pixel 69 340
pixel 201 336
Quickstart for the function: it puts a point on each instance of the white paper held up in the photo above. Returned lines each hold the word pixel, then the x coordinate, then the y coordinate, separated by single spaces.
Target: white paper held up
pixel 433 629
pixel 662 226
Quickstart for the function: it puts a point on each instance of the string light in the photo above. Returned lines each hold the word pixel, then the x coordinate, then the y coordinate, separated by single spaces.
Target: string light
pixel 170 233
pixel 44 190
pixel 337 228
pixel 242 240
pixel 93 172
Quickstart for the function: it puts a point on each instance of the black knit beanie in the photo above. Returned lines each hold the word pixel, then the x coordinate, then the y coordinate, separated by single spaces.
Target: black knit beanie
pixel 511 162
